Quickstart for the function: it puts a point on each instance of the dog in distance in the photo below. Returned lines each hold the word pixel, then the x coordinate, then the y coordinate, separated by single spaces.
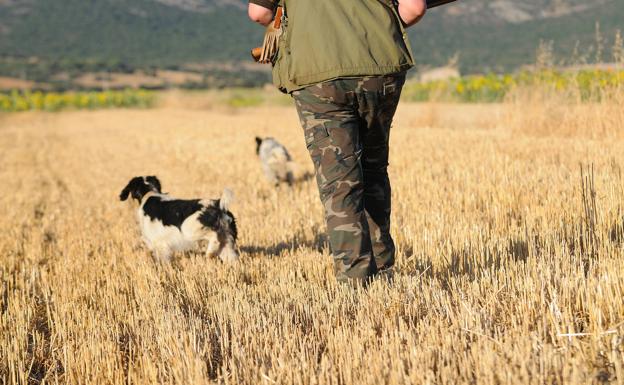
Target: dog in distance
pixel 276 162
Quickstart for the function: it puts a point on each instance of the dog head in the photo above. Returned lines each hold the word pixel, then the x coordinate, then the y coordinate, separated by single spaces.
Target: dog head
pixel 259 141
pixel 139 186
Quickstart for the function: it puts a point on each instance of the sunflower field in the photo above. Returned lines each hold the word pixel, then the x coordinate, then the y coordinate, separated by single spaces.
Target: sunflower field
pixel 16 101
pixel 587 85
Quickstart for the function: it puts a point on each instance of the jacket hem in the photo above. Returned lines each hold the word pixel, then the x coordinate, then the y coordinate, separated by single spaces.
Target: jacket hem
pixel 337 73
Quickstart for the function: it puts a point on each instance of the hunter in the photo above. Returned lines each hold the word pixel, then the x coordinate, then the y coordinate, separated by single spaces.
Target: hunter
pixel 344 63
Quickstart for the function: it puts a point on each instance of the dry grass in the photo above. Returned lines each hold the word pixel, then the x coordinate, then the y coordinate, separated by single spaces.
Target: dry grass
pixel 546 112
pixel 503 255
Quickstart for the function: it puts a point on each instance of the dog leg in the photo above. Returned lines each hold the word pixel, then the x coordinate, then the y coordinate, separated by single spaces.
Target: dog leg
pixel 162 254
pixel 212 249
pixel 213 245
pixel 270 175
pixel 228 253
pixel 147 242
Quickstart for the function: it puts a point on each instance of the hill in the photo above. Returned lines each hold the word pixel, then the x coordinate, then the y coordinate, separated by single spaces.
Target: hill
pixel 503 35
pixel 40 37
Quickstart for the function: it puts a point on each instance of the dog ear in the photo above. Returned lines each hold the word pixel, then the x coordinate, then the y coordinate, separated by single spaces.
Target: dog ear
pixel 128 189
pixel 125 193
pixel 153 180
pixel 258 144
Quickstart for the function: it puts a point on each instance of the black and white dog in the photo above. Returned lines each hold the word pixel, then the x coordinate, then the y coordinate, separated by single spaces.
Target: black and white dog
pixel 276 162
pixel 169 225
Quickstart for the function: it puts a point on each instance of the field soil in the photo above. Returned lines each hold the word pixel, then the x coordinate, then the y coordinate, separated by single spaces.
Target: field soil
pixel 510 265
pixel 7 83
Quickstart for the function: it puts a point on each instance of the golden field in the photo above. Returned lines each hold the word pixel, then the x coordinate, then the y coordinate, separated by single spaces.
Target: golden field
pixel 509 222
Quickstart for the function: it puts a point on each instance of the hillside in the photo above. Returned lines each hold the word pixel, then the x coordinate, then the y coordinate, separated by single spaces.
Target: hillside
pixel 139 32
pixel 39 37
pixel 503 35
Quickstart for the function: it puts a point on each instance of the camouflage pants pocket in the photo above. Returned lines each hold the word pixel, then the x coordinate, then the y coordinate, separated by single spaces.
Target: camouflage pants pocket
pixel 314 135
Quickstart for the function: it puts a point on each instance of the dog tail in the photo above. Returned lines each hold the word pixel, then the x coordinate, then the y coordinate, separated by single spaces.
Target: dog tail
pixel 226 199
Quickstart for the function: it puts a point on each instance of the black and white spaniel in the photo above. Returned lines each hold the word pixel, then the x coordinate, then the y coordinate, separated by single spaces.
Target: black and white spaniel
pixel 169 224
pixel 277 163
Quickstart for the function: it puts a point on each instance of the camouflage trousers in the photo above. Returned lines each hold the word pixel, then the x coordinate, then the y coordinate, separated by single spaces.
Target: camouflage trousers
pixel 346 124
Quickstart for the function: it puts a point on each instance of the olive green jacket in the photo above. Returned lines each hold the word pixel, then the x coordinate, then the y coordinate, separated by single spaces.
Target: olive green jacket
pixel 330 39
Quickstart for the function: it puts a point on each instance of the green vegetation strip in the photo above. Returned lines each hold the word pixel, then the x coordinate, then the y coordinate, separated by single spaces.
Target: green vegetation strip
pixel 586 85
pixel 52 101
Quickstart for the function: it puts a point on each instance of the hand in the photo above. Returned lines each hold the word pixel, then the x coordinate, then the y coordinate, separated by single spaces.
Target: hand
pixel 411 11
pixel 260 14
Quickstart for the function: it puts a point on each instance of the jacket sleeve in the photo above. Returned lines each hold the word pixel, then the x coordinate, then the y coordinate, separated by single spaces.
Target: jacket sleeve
pixel 270 4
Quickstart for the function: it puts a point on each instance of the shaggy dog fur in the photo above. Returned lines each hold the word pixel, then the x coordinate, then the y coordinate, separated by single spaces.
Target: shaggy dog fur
pixel 169 224
pixel 276 161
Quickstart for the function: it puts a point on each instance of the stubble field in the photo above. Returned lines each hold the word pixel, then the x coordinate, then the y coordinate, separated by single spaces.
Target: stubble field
pixel 510 268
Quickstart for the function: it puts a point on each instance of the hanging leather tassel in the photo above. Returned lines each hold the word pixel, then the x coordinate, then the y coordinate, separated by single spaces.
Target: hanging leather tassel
pixel 271 40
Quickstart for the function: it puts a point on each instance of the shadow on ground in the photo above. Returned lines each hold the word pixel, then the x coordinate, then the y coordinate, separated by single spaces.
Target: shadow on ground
pixel 469 261
pixel 319 244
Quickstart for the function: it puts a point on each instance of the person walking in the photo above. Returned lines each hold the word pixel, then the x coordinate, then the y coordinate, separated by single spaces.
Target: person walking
pixel 344 63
